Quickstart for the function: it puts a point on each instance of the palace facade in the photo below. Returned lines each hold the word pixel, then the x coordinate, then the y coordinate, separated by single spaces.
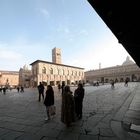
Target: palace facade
pixel 54 72
pixel 128 70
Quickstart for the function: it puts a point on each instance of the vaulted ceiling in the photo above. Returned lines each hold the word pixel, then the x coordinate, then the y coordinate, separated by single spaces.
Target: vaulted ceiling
pixel 123 19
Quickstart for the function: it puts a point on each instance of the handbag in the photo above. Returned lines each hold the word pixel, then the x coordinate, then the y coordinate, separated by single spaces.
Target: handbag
pixel 52 110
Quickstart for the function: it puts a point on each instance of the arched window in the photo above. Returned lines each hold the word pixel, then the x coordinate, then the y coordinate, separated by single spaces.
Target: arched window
pixel 44 70
pixel 63 72
pixel 58 71
pixel 72 72
pixel 51 71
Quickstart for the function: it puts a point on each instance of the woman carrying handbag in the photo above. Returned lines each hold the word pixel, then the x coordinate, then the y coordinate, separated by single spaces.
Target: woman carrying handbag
pixel 49 102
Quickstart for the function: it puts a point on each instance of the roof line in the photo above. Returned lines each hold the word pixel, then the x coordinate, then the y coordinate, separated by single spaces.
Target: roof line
pixel 55 64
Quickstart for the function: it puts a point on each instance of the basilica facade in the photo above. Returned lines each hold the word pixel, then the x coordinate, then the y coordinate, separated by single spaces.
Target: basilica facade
pixel 25 75
pixel 128 70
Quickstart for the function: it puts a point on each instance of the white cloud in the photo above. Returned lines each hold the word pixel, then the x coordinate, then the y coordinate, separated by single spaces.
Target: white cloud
pixel 16 54
pixel 21 51
pixel 45 13
pixel 10 60
pixel 83 32
pixel 63 29
pixel 8 54
pixel 66 30
pixel 108 52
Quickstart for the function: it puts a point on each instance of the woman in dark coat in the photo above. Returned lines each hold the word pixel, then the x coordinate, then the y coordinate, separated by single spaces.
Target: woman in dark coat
pixel 49 100
pixel 68 107
pixel 78 97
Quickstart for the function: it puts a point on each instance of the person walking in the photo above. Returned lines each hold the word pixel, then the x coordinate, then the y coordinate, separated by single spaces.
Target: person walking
pixel 21 89
pixel 59 87
pixel 63 85
pixel 41 91
pixel 112 84
pixel 4 90
pixel 1 89
pixel 126 82
pixel 68 107
pixel 49 101
pixel 17 88
pixel 78 98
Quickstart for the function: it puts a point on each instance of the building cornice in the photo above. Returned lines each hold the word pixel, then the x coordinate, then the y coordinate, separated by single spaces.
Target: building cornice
pixel 42 61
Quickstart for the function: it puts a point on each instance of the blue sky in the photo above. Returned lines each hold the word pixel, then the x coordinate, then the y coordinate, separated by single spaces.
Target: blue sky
pixel 30 29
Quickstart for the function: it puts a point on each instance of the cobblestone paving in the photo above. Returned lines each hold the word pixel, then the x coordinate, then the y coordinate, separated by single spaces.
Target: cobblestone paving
pixel 22 116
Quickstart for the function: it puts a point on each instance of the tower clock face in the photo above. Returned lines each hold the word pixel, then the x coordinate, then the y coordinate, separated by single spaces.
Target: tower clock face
pixel 58 54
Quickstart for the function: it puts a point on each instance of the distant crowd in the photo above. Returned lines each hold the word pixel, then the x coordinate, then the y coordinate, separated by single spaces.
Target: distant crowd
pixel 4 89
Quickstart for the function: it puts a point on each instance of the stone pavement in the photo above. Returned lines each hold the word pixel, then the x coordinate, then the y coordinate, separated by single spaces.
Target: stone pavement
pixel 108 114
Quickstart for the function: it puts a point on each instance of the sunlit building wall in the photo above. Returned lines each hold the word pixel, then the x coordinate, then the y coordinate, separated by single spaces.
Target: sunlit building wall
pixel 9 78
pixel 56 55
pixel 52 73
pixel 128 70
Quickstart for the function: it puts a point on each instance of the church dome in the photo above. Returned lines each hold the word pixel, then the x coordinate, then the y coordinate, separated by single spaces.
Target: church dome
pixel 128 61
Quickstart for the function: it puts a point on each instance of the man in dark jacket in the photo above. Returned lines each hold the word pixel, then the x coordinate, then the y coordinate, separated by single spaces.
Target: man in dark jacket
pixel 41 91
pixel 63 85
pixel 78 97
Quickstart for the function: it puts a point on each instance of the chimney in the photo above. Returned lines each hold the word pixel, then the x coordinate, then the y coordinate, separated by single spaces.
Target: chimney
pixel 99 65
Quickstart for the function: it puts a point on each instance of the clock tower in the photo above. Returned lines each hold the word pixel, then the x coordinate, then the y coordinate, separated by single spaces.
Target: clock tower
pixel 56 55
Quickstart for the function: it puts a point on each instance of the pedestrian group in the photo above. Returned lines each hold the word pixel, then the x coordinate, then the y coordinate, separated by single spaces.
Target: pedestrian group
pixel 71 106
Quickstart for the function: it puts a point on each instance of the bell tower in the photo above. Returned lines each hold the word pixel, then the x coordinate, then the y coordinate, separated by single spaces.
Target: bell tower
pixel 56 55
